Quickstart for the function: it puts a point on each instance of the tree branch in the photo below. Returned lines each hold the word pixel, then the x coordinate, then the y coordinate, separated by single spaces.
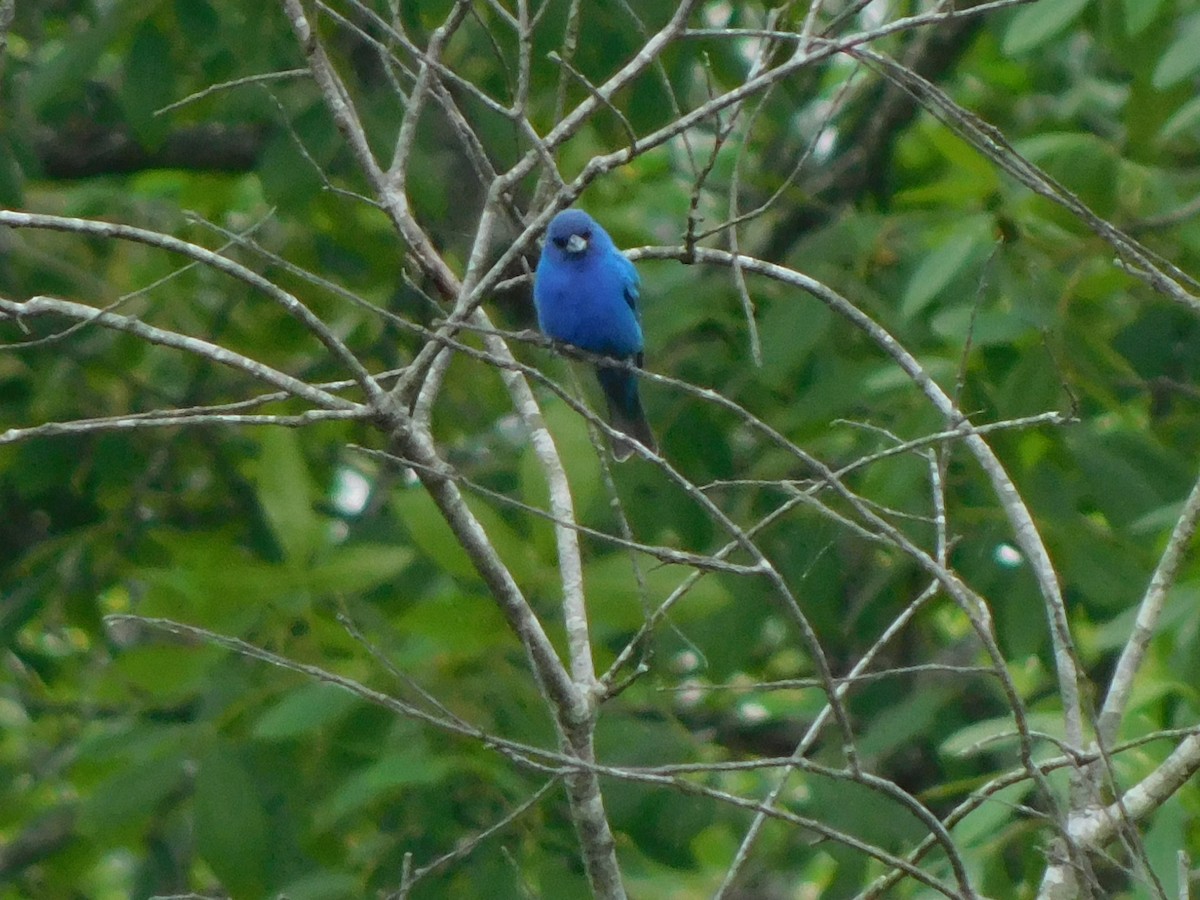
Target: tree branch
pixel 89 150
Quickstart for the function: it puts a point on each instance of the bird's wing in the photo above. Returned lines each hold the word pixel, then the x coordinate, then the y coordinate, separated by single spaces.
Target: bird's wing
pixel 632 284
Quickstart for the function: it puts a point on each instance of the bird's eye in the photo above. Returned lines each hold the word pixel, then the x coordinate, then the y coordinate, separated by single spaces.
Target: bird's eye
pixel 559 242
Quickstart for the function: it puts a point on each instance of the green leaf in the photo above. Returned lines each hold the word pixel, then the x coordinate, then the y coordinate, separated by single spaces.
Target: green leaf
pixel 288 174
pixel 358 567
pixel 1182 601
pixel 165 673
pixel 905 721
pixel 430 533
pixel 304 710
pixel 612 589
pixel 232 832
pixel 791 332
pixel 991 735
pixel 65 74
pixel 198 21
pixel 984 827
pixel 1128 484
pixel 382 779
pixel 971 240
pixel 1169 831
pixel 1085 163
pixel 1184 121
pixel 986 327
pixel 148 85
pixel 286 492
pixel 221 585
pixel 714 846
pixel 455 625
pixel 862 812
pixel 1182 58
pixel 1034 25
pixel 434 537
pixel 1139 14
pixel 122 804
pixel 323 886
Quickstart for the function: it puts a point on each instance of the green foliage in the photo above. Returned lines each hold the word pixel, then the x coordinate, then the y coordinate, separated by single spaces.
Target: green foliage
pixel 181 766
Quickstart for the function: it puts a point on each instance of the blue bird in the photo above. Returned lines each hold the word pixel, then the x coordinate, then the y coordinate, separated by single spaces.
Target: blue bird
pixel 586 294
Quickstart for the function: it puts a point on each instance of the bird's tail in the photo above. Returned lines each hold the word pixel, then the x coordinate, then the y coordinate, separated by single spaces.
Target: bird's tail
pixel 625 412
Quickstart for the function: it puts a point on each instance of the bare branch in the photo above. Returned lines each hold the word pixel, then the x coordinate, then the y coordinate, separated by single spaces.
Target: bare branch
pixel 1149 612
pixel 41 306
pixel 213 260
pixel 1024 528
pixel 1094 827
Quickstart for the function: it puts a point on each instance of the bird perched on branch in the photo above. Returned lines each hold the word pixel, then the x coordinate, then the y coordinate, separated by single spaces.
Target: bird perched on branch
pixel 586 294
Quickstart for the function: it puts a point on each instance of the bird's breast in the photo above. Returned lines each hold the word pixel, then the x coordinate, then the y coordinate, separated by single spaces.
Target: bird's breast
pixel 586 307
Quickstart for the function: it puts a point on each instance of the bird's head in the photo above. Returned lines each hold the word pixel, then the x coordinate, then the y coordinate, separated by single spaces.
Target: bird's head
pixel 572 232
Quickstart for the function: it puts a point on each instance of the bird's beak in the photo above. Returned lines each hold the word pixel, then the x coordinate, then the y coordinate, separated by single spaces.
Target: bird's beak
pixel 576 243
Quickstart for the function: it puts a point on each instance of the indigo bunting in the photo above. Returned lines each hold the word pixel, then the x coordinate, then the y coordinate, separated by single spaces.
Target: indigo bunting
pixel 586 294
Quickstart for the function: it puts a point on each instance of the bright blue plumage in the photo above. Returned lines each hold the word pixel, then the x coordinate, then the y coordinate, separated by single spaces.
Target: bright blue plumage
pixel 586 294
